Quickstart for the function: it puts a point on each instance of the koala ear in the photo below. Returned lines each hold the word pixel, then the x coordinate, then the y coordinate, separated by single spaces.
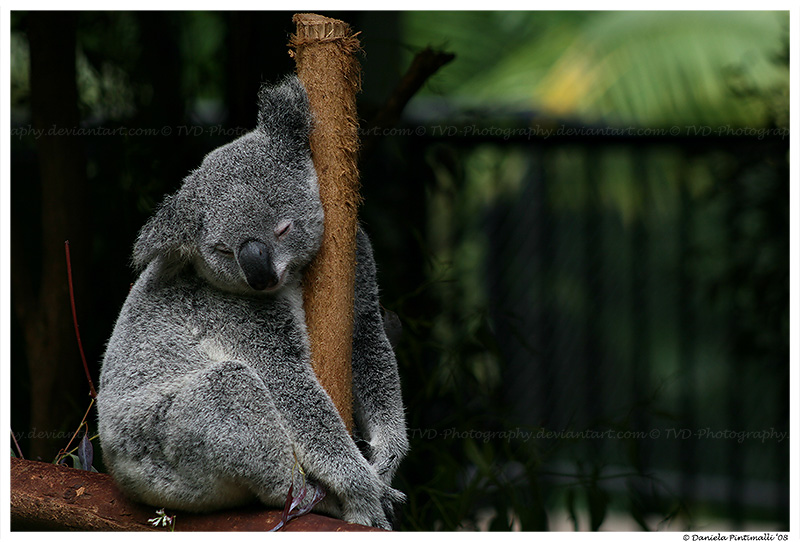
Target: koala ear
pixel 170 232
pixel 283 111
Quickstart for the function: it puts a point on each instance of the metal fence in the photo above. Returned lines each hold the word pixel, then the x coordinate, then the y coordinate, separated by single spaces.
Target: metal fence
pixel 638 290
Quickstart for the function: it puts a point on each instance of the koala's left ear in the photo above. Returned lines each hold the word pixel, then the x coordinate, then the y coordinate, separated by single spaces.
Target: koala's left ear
pixel 284 112
pixel 170 232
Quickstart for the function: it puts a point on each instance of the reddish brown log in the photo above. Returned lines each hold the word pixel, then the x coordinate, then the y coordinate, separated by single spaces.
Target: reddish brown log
pixel 46 497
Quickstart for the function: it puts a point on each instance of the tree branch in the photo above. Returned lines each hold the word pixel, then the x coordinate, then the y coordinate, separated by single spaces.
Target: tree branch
pixel 51 497
pixel 424 65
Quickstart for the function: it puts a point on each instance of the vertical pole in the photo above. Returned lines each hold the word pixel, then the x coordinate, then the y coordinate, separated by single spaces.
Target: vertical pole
pixel 324 50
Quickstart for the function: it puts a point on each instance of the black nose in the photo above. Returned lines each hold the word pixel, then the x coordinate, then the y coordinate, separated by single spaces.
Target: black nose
pixel 255 259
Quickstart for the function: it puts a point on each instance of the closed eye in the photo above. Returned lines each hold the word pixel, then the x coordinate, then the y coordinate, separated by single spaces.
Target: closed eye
pixel 283 227
pixel 223 250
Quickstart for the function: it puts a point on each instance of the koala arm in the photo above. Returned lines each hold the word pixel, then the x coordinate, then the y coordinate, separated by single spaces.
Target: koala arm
pixel 319 438
pixel 376 382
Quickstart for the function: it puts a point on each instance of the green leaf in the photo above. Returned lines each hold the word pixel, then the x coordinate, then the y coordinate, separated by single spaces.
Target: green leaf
pixel 598 506
pixel 573 515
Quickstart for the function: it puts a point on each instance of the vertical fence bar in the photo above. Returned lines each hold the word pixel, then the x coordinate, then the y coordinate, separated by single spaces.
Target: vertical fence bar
pixel 591 358
pixel 544 249
pixel 639 308
pixel 734 457
pixel 686 341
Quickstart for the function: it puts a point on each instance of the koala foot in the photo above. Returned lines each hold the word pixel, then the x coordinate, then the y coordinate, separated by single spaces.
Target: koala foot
pixel 375 513
pixel 391 499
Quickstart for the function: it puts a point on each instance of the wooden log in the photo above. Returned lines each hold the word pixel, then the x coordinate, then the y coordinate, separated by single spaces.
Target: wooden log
pixel 47 497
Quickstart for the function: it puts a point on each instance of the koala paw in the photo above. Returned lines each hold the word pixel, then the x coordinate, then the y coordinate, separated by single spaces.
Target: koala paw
pixel 375 513
pixel 370 517
pixel 390 499
pixel 386 454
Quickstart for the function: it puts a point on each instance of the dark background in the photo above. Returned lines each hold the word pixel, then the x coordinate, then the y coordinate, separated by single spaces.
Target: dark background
pixel 596 329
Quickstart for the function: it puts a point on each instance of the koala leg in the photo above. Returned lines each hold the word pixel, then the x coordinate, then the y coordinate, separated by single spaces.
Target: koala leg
pixel 378 399
pixel 223 443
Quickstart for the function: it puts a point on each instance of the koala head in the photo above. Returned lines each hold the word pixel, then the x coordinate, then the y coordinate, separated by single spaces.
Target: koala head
pixel 249 218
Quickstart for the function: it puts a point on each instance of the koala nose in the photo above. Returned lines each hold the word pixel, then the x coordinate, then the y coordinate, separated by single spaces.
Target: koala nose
pixel 255 259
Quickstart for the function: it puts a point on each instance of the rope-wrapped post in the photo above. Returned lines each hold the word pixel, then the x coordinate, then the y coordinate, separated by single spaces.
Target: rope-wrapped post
pixel 325 50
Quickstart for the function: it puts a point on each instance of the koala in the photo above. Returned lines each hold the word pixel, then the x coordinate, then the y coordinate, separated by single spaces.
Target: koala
pixel 207 396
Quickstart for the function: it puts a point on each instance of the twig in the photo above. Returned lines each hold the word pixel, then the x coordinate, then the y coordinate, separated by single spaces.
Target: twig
pixel 92 391
pixel 16 445
pixel 65 450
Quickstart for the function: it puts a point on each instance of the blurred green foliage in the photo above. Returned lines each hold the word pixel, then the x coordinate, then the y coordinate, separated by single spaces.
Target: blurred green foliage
pixel 646 68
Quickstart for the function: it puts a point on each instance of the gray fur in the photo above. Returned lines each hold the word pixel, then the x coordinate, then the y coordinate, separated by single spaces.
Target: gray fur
pixel 207 397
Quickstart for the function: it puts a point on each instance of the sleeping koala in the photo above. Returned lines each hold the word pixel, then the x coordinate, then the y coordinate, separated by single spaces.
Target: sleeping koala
pixel 207 397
